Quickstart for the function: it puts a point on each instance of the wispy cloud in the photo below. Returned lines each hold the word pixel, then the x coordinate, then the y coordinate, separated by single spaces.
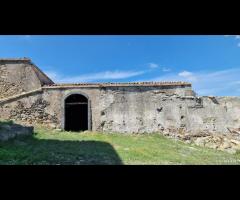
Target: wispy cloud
pixel 237 37
pixel 53 75
pixel 219 83
pixel 100 76
pixel 222 82
pixel 187 75
pixel 166 69
pixel 104 75
pixel 153 65
pixel 25 37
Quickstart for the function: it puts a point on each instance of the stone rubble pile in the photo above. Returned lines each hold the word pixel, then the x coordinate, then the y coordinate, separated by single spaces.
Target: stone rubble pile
pixel 229 142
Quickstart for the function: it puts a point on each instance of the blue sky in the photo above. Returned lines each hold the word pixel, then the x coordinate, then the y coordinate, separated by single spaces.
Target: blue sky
pixel 210 63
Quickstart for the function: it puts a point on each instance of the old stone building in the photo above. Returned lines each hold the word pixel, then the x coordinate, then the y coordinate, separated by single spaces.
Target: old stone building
pixel 28 96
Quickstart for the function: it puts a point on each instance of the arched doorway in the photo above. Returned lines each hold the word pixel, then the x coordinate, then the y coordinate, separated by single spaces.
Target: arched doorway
pixel 76 113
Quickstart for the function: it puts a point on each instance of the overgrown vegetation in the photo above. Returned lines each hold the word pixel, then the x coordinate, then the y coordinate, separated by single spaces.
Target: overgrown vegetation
pixel 55 147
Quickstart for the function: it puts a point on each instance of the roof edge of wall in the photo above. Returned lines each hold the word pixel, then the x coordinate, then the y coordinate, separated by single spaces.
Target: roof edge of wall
pixel 37 70
pixel 15 59
pixel 150 84
pixel 51 84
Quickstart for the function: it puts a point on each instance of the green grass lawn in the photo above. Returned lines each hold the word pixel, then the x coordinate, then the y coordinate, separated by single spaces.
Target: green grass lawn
pixel 54 147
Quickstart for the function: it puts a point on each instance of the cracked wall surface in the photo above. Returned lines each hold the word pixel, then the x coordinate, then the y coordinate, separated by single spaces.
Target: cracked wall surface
pixel 113 108
pixel 131 110
pixel 154 111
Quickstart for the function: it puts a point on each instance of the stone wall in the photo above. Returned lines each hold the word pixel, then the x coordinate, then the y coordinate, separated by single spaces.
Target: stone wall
pixel 131 109
pixel 109 105
pixel 48 106
pixel 29 110
pixel 156 110
pixel 19 76
pixel 217 114
pixel 35 113
pixel 28 96
pixel 7 88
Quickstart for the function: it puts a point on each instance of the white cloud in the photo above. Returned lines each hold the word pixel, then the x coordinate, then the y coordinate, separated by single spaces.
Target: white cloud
pixel 185 74
pixel 25 37
pixel 52 75
pixel 219 83
pixel 188 75
pixel 166 69
pixel 153 65
pixel 237 37
pixel 106 75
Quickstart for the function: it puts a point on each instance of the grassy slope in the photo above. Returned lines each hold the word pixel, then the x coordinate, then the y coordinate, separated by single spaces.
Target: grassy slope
pixel 52 147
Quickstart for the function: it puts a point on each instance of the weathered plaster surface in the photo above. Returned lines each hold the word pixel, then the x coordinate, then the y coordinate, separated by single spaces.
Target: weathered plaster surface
pixel 131 110
pixel 124 109
pixel 21 76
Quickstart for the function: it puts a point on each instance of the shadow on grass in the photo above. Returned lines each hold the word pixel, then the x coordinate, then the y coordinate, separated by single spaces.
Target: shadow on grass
pixel 6 122
pixel 30 150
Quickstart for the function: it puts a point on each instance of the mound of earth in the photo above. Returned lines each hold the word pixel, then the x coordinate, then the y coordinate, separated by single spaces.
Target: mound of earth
pixel 10 130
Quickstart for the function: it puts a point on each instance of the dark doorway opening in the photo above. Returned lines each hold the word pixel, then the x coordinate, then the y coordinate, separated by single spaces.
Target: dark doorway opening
pixel 76 113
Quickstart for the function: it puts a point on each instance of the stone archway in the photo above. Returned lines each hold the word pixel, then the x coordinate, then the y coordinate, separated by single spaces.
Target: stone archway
pixel 76 113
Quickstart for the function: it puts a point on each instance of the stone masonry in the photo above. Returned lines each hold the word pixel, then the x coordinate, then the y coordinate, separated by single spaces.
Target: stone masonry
pixel 28 96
